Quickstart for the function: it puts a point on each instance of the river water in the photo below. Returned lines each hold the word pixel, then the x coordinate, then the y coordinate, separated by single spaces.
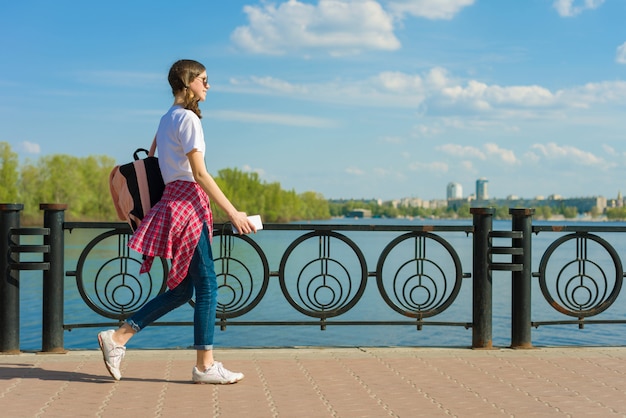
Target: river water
pixel 274 307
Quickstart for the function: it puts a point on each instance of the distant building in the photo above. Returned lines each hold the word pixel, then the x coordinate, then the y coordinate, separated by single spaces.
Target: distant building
pixel 454 191
pixel 359 213
pixel 409 202
pixel 481 189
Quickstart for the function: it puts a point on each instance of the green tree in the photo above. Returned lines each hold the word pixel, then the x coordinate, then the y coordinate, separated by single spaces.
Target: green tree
pixel 315 206
pixel 250 194
pixel 464 212
pixel 81 183
pixel 279 205
pixel 502 212
pixel 9 174
pixel 570 212
pixel 51 180
pixel 615 214
pixel 95 202
pixel 387 211
pixel 543 212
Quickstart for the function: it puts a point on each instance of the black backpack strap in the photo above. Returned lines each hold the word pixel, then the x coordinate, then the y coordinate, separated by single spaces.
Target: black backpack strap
pixel 149 153
pixel 137 151
pixel 152 147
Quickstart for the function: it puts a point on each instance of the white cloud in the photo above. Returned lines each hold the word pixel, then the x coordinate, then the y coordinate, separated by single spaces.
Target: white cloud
pixel 569 8
pixel 480 124
pixel 620 57
pixel 437 78
pixel 570 154
pixel 337 26
pixel 505 155
pixel 248 169
pixel 436 92
pixel 280 85
pixel 609 149
pixel 399 82
pixel 355 171
pixel 446 91
pixel 591 93
pixel 480 96
pixel 385 173
pixel 462 151
pixel 429 9
pixel 266 85
pixel 490 149
pixel 532 157
pixel 468 166
pixel 422 131
pixel 30 147
pixel 273 118
pixel 391 89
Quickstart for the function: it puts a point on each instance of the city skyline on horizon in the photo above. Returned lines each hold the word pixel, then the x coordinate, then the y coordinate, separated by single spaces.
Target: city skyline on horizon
pixel 456 188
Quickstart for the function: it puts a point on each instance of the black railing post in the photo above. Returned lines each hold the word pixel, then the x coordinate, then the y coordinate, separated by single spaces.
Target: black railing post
pixel 522 286
pixel 481 279
pixel 52 328
pixel 9 282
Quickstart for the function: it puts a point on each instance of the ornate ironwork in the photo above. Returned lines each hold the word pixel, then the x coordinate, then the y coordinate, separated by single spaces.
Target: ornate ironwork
pixel 575 285
pixel 419 274
pixel 323 274
pixel 242 274
pixel 108 280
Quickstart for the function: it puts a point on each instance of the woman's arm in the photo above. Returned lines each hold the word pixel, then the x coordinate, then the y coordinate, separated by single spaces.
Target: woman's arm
pixel 208 184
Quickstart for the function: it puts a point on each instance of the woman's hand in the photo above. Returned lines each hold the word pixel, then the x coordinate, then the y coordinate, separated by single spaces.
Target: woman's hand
pixel 241 223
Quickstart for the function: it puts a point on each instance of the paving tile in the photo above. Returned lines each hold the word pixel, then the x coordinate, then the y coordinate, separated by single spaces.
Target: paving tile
pixel 322 382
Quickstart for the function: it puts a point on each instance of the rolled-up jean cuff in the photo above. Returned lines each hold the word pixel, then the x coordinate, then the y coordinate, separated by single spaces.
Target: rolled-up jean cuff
pixel 203 347
pixel 133 325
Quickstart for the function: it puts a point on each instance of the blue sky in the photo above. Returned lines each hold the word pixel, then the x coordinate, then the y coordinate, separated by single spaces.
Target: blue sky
pixel 348 98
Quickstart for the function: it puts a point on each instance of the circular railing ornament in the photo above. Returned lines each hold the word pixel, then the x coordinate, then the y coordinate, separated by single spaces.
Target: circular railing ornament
pixel 108 279
pixel 323 274
pixel 419 274
pixel 576 285
pixel 242 274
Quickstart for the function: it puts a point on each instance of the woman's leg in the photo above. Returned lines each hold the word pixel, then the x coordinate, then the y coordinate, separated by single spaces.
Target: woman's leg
pixel 202 273
pixel 153 310
pixel 112 342
pixel 202 270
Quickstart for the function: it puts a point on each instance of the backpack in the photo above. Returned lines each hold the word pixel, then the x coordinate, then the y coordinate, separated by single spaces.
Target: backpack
pixel 136 186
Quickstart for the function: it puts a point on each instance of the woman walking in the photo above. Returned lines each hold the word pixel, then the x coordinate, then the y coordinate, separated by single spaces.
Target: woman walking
pixel 179 228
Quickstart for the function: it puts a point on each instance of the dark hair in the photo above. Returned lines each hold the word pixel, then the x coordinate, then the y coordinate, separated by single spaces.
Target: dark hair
pixel 181 74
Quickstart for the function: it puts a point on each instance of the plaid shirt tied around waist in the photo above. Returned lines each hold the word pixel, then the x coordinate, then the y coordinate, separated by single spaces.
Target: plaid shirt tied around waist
pixel 172 228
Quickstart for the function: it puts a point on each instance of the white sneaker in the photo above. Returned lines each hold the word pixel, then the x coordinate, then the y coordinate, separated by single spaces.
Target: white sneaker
pixel 112 353
pixel 216 375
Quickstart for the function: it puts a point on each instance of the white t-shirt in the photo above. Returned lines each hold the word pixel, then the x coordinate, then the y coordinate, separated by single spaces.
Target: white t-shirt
pixel 179 133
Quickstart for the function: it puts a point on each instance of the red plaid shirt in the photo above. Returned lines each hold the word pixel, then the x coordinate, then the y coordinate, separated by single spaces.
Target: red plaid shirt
pixel 172 228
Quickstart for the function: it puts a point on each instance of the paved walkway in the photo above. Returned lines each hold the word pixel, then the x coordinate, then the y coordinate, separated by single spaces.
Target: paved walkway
pixel 322 382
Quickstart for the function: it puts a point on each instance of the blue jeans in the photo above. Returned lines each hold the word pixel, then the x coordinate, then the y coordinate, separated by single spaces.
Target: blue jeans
pixel 201 277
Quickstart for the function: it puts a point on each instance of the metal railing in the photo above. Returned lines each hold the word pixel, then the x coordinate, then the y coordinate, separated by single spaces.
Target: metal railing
pixel 575 283
pixel 323 273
